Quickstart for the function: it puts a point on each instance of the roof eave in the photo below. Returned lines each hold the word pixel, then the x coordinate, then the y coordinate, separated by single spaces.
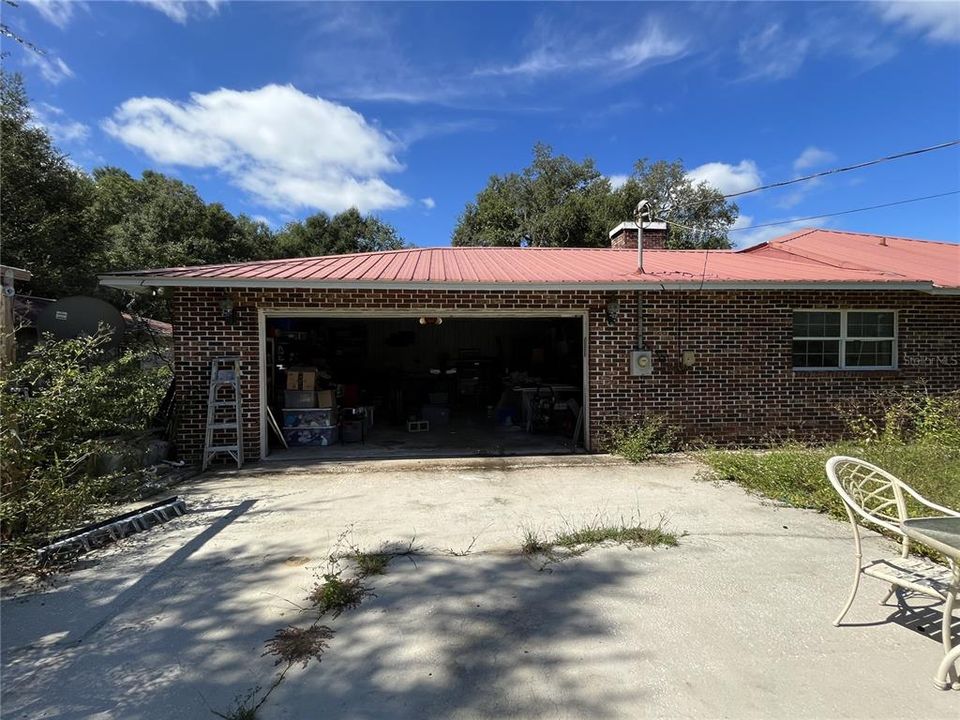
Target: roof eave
pixel 147 284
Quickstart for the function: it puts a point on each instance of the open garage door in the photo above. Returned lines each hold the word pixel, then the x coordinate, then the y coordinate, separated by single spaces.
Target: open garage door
pixel 348 387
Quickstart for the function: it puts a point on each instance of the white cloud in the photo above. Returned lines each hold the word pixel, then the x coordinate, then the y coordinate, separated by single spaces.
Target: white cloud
pixel 772 54
pixel 558 55
pixel 182 10
pixel 288 149
pixel 617 181
pixel 57 12
pixel 51 68
pixel 937 21
pixel 726 178
pixel 61 128
pixel 812 157
pixel 428 202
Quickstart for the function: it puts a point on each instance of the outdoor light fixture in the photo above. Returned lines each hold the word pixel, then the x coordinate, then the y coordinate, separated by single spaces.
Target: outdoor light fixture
pixel 228 310
pixel 613 309
pixel 431 320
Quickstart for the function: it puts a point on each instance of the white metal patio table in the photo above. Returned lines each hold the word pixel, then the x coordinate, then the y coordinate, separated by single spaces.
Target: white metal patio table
pixel 943 535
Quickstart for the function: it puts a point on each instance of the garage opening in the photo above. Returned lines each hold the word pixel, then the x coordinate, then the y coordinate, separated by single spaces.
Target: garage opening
pixel 424 386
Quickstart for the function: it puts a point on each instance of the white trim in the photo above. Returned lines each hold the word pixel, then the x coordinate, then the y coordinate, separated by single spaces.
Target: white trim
pixel 145 284
pixel 844 338
pixel 267 312
pixel 262 380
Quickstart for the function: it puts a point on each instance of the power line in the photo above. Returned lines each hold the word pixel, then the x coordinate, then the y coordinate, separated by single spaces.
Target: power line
pixel 824 215
pixel 846 168
pixel 848 212
pixel 706 255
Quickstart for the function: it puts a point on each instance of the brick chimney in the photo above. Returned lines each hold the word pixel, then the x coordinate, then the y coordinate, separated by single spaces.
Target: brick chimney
pixel 624 236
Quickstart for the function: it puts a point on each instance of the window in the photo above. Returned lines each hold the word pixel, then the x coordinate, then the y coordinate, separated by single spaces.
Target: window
pixel 844 339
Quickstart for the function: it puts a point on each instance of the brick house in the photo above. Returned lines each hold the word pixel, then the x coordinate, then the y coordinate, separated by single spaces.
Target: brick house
pixel 728 345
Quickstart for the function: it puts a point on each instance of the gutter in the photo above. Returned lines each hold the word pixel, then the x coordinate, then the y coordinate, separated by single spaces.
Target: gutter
pixel 147 284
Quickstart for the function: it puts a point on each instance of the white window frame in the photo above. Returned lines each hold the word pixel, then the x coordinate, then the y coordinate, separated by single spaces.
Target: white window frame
pixel 844 338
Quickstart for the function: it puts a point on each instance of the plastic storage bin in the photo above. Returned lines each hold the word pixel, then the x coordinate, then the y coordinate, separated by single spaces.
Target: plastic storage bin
pixel 309 417
pixel 299 399
pixel 315 436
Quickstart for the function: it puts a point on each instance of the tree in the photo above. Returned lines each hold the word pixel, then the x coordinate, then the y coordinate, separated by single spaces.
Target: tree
pixel 346 232
pixel 159 221
pixel 554 202
pixel 676 199
pixel 559 202
pixel 42 201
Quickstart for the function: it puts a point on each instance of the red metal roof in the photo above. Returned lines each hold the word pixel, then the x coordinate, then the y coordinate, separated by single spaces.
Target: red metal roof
pixel 785 261
pixel 938 262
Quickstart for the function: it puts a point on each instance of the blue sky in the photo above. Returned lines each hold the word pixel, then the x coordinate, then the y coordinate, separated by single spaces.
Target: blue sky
pixel 281 109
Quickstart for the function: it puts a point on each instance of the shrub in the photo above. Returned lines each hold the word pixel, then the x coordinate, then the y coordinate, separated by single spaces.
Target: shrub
pixel 639 440
pixel 69 412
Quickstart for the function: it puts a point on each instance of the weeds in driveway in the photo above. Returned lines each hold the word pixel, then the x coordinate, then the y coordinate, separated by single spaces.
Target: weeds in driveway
pixel 371 563
pixel 533 543
pixel 245 707
pixel 575 540
pixel 332 594
pixel 292 645
pixel 623 533
pixel 335 595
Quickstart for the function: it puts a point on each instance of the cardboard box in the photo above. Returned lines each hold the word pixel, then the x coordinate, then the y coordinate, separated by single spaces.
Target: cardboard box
pixel 301 378
pixel 326 399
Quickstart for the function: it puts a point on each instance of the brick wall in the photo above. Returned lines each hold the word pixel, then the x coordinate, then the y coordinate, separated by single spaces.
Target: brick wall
pixel 741 387
pixel 653 239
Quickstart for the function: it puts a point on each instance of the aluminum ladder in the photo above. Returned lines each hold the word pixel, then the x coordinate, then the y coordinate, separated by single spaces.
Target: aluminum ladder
pixel 224 413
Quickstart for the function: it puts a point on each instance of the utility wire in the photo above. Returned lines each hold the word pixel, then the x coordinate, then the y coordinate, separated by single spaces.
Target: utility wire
pixel 846 168
pixel 824 215
pixel 848 212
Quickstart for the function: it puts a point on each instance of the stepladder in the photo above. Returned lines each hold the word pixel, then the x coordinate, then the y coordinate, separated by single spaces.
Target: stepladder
pixel 224 431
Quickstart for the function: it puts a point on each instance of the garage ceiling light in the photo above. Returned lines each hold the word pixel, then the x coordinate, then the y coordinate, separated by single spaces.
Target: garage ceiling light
pixel 431 320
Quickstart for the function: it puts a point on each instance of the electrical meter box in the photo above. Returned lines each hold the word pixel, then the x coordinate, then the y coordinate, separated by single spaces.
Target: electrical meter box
pixel 641 362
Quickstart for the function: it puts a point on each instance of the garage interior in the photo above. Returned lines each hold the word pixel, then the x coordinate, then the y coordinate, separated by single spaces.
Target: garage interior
pixel 378 387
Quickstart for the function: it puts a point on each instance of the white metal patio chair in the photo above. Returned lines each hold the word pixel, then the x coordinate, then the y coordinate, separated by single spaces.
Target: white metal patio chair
pixel 874 495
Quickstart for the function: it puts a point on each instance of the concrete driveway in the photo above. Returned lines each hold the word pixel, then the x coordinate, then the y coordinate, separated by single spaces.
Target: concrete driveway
pixel 732 623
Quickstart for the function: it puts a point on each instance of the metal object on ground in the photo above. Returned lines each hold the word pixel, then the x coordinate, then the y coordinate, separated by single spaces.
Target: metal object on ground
pixel 113 529
pixel 871 494
pixel 224 374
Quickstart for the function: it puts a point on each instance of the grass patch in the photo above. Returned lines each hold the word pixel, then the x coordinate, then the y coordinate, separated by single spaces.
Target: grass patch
pixel 533 543
pixel 794 474
pixel 916 437
pixel 576 540
pixel 622 534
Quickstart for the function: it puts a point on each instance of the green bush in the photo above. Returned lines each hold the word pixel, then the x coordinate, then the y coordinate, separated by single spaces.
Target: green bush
pixel 70 412
pixel 639 440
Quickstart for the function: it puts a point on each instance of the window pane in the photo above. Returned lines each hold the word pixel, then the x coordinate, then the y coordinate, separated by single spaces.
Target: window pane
pixel 869 353
pixel 816 324
pixel 816 353
pixel 870 324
